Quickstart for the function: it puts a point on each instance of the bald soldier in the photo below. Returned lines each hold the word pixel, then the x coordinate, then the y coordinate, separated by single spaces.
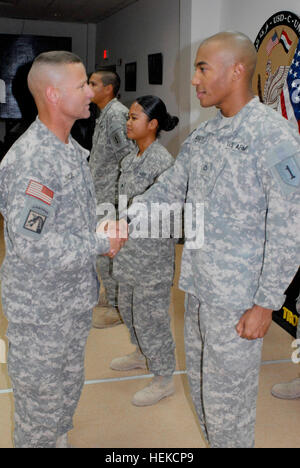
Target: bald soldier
pixel 243 168
pixel 49 280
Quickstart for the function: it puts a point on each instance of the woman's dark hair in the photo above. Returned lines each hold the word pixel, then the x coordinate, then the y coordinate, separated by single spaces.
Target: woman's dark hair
pixel 155 108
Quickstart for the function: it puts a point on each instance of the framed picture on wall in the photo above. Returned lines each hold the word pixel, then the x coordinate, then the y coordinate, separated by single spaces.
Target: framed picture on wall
pixel 130 76
pixel 155 69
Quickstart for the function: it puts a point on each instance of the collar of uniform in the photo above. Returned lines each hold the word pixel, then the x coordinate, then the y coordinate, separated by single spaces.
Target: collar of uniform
pixel 84 153
pixel 66 149
pixel 132 161
pixel 229 125
pixel 106 109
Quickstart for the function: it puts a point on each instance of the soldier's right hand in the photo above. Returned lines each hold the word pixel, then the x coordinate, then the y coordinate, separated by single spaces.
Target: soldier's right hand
pixel 117 232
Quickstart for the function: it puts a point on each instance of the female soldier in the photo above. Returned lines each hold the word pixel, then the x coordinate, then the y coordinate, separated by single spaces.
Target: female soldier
pixel 145 267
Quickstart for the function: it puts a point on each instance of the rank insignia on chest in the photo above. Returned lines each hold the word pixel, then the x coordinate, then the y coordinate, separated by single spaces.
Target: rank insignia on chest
pixel 200 138
pixel 206 168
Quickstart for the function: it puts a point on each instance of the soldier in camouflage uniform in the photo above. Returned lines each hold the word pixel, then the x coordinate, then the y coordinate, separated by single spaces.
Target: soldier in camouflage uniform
pixel 243 167
pixel 49 280
pixel 110 145
pixel 145 267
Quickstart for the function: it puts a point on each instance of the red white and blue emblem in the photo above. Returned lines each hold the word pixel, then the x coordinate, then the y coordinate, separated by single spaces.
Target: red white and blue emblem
pixel 290 95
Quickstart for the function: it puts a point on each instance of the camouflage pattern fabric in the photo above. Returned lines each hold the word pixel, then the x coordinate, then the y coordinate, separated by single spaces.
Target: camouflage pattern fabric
pixel 236 168
pixel 144 268
pixel 48 277
pixel 46 366
pixel 110 145
pixel 150 261
pixel 145 312
pixel 245 171
pixel 224 391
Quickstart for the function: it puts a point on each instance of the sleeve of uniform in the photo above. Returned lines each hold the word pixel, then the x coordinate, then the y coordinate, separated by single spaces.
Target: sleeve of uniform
pixel 282 248
pixel 170 187
pixel 117 134
pixel 37 236
pixel 164 163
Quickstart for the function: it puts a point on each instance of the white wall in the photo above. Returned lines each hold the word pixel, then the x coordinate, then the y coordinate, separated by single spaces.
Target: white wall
pixel 184 66
pixel 206 20
pixel 146 27
pixel 249 16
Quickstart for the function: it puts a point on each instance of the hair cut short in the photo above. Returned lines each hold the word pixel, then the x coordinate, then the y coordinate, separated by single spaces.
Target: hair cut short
pixel 57 57
pixel 109 77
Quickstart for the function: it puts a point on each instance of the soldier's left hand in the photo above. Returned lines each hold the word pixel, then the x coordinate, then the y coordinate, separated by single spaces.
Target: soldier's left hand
pixel 254 323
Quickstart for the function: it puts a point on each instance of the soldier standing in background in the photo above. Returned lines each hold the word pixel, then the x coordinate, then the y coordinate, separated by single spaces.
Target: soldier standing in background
pixel 110 145
pixel 243 167
pixel 48 277
pixel 145 268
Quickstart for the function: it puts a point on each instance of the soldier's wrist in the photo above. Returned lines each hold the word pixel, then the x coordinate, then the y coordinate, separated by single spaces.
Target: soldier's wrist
pixel 103 243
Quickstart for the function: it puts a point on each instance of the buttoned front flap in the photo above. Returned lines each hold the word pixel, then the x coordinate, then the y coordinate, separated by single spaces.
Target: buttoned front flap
pixel 143 180
pixel 132 184
pixel 98 132
pixel 207 163
pixel 137 174
pixel 71 200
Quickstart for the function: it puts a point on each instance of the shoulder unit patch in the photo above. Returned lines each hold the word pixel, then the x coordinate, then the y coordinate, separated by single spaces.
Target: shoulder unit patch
pixel 289 171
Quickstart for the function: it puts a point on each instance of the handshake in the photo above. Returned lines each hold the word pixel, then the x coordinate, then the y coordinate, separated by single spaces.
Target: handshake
pixel 117 233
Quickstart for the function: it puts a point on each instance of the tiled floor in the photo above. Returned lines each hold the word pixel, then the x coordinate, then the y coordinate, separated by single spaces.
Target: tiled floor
pixel 106 418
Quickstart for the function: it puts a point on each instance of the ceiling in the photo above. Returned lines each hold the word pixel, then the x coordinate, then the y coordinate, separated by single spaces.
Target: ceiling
pixel 76 11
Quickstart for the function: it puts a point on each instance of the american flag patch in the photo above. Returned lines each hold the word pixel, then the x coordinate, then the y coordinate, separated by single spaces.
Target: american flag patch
pixel 40 191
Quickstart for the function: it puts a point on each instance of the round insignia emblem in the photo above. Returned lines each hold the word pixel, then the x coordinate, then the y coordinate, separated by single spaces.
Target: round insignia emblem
pixel 276 44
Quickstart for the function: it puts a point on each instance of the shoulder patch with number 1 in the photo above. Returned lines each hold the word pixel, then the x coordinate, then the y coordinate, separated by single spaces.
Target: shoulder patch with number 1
pixel 289 171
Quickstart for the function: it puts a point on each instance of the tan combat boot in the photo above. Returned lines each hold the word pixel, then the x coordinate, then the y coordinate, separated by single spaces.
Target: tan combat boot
pixel 160 387
pixel 287 390
pixel 106 317
pixel 135 360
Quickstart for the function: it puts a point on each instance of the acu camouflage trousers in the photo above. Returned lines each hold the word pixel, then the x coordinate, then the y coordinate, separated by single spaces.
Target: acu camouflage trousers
pixel 145 312
pixel 104 269
pixel 46 367
pixel 223 372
